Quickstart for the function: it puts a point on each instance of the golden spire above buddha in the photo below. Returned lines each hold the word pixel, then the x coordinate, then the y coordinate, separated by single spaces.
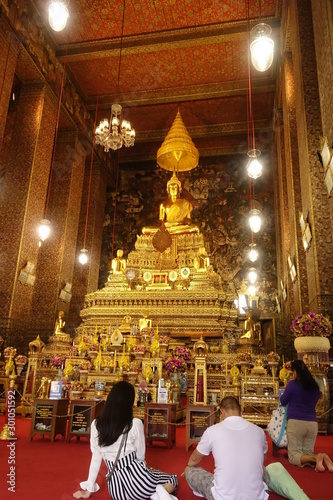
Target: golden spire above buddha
pixel 178 152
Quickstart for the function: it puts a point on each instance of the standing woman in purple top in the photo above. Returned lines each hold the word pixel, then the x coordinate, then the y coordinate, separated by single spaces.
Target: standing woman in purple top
pixel 302 394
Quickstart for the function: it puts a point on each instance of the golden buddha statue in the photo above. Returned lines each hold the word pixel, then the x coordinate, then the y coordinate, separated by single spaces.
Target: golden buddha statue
pixel 249 327
pixel 175 212
pixel 118 264
pixel 155 345
pixel 201 261
pixel 125 326
pixel 60 323
pixel 144 322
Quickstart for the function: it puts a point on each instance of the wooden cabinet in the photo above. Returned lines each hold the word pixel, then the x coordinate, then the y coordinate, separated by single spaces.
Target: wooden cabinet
pixel 81 414
pixel 198 418
pixel 160 423
pixel 49 418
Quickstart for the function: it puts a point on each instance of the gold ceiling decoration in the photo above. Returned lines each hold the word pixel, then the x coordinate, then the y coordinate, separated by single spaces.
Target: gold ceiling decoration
pixel 178 152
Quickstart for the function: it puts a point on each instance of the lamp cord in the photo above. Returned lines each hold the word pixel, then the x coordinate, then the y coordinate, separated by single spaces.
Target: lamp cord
pixel 55 136
pixel 121 45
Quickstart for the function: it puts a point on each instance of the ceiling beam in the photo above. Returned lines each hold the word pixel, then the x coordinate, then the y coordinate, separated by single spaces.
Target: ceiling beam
pixel 183 94
pixel 152 42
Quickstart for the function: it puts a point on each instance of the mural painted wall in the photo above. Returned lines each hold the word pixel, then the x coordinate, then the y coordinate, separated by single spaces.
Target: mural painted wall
pixel 219 190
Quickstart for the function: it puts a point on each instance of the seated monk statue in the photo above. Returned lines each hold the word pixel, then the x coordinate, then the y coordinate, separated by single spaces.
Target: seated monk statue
pixel 201 261
pixel 175 212
pixel 249 327
pixel 118 264
pixel 60 323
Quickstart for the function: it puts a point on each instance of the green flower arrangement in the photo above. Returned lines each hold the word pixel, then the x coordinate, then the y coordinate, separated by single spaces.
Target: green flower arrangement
pixel 311 325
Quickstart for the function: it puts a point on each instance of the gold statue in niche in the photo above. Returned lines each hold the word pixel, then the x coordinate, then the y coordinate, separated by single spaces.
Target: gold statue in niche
pixel 60 323
pixel 201 261
pixel 175 212
pixel 249 327
pixel 118 264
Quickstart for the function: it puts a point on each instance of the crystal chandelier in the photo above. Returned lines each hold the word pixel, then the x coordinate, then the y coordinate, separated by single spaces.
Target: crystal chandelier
pixel 262 47
pixel 113 135
pixel 58 15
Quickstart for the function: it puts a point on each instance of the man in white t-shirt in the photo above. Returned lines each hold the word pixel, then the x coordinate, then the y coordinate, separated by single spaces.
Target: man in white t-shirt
pixel 239 449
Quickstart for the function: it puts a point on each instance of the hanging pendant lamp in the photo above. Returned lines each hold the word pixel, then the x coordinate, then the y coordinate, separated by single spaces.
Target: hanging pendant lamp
pixel 262 47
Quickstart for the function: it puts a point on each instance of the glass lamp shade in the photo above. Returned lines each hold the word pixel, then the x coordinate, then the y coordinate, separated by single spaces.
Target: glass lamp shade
pixel 83 257
pixel 252 276
pixel 255 220
pixel 58 15
pixel 254 167
pixel 253 253
pixel 262 47
pixel 44 229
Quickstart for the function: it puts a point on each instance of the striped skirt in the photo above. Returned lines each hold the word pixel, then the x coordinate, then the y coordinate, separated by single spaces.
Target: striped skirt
pixel 133 480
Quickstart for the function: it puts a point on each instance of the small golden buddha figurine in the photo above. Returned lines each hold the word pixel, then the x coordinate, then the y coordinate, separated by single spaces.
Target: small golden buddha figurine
pixel 60 323
pixel 249 327
pixel 175 212
pixel 155 345
pixel 118 264
pixel 125 326
pixel 144 322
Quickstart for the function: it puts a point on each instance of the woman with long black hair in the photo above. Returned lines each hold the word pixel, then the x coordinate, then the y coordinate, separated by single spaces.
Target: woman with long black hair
pixel 118 439
pixel 302 394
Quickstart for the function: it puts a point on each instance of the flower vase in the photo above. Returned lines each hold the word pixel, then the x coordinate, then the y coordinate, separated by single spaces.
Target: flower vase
pixel 142 399
pixel 175 388
pixel 183 381
pixel 163 350
pixel 313 351
pixel 74 394
pixel 83 376
pixel 19 368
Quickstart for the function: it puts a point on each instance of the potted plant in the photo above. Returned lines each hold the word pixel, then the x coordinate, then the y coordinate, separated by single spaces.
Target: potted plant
pixel 311 331
pixel 76 389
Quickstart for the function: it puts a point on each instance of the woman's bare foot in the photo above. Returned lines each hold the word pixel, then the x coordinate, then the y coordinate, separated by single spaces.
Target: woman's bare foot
pixel 319 463
pixel 82 494
pixel 328 462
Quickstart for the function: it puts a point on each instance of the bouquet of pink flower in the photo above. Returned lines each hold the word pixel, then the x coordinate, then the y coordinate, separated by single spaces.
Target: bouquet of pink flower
pixel 93 347
pixel 9 351
pixel 21 359
pixel 273 357
pixel 74 350
pixel 244 357
pixel 76 386
pixel 311 325
pixel 164 339
pixel 183 353
pixel 174 364
pixel 58 360
pixel 85 365
pixel 139 349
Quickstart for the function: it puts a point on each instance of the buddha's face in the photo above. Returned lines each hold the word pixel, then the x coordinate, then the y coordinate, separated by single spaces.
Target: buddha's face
pixel 173 190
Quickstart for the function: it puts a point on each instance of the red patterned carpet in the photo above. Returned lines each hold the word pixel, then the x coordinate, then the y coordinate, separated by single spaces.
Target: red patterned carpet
pixel 52 471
